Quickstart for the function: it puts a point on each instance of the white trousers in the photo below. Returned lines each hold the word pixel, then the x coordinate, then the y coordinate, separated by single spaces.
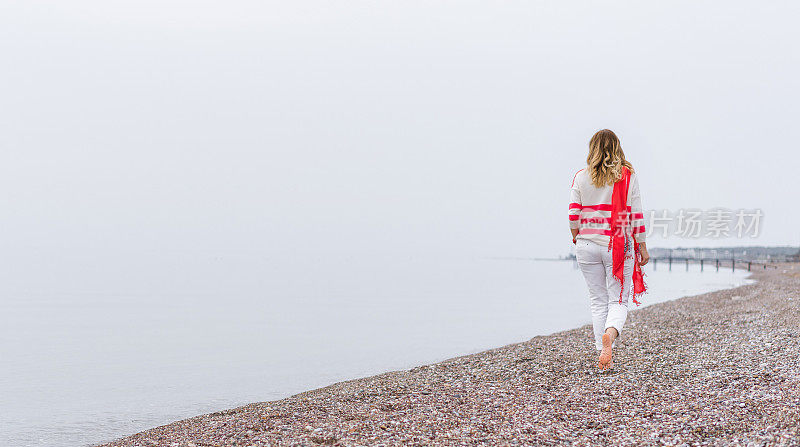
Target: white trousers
pixel 595 262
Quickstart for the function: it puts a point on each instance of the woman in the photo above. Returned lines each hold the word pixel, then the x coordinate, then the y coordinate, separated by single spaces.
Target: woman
pixel 607 224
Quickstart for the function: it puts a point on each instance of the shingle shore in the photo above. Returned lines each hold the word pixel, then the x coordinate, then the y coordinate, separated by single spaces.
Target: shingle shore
pixel 722 368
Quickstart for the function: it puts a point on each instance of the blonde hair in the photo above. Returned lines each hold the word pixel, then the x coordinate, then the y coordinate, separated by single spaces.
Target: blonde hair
pixel 606 159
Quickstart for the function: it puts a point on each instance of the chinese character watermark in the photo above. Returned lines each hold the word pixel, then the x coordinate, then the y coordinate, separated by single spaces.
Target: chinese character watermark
pixel 715 223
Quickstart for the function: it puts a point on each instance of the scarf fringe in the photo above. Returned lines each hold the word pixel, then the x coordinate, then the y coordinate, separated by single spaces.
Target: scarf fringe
pixel 634 295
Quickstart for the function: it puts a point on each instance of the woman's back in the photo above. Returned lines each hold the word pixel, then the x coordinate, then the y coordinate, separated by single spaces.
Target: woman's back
pixel 590 209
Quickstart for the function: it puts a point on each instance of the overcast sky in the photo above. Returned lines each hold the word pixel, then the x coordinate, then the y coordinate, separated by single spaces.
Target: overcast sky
pixel 382 127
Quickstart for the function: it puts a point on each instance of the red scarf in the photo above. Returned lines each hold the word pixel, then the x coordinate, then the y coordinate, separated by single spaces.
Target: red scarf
pixel 618 243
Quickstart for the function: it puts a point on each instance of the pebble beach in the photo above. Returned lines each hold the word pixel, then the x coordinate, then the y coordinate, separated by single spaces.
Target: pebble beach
pixel 722 368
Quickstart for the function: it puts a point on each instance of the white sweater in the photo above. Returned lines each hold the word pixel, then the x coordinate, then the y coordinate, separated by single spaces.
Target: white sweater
pixel 590 209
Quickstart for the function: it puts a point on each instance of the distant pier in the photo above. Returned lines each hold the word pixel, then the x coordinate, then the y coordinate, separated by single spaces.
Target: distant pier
pixel 715 263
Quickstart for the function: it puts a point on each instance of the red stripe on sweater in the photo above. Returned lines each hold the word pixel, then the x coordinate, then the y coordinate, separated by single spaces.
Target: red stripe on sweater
pixel 600 207
pixel 605 219
pixel 575 176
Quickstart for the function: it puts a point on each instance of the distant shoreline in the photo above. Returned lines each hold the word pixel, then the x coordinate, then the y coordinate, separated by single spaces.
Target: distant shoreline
pixel 523 258
pixel 718 367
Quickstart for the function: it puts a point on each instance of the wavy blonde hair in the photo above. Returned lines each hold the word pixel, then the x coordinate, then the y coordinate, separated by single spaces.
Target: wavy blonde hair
pixel 606 159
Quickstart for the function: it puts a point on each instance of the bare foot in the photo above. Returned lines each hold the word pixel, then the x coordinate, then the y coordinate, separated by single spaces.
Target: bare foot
pixel 605 354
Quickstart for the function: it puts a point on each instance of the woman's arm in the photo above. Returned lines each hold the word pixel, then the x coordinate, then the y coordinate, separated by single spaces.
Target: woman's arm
pixel 575 206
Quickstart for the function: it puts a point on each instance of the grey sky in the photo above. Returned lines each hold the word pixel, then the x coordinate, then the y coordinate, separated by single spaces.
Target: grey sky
pixel 391 127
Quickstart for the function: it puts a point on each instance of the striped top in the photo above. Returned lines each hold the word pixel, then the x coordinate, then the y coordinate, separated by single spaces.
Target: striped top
pixel 590 209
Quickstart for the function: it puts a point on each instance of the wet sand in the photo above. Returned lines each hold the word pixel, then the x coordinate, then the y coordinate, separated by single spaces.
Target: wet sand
pixel 722 368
